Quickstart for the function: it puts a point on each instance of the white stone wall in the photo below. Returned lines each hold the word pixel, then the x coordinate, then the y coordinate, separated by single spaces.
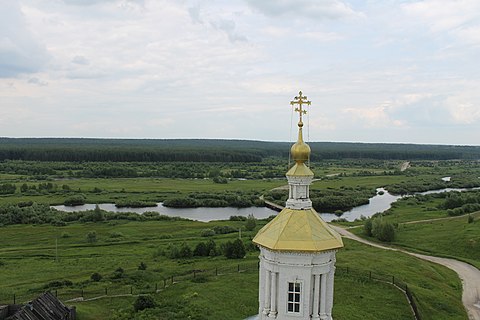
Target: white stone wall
pixel 315 272
pixel 298 195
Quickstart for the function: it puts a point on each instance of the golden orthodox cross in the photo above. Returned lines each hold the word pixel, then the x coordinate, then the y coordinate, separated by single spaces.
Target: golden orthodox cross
pixel 300 100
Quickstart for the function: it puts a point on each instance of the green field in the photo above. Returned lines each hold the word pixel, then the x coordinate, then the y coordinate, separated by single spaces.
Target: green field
pixel 28 263
pixel 32 256
pixel 454 238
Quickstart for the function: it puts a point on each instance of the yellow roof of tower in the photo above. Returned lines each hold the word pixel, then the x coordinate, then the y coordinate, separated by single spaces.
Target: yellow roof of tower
pixel 300 170
pixel 298 230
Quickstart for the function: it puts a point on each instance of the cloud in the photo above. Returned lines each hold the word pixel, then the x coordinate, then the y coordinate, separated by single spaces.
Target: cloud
pixel 228 26
pixel 19 51
pixel 459 19
pixel 464 107
pixel 87 2
pixel 371 117
pixel 194 13
pixel 443 15
pixel 80 60
pixel 37 81
pixel 314 9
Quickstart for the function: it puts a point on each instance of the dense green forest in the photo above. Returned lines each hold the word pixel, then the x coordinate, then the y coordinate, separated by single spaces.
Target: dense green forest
pixel 212 150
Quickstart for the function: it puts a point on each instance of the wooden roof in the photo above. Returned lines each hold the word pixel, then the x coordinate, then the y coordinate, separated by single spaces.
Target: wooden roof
pixel 45 307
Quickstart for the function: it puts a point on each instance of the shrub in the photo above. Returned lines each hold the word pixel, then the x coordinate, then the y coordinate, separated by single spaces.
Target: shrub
pixel 200 278
pixel 96 277
pixel 237 218
pixel 142 266
pixel 470 219
pixel 115 234
pixel 201 250
pixel 65 235
pixel 224 229
pixel 76 200
pixel 143 302
pixel 172 251
pixel 251 223
pixel 58 223
pixel 383 230
pixel 185 251
pixel 207 233
pixel 367 227
pixel 219 179
pixel 58 284
pixel 92 236
pixel 235 249
pixel 118 273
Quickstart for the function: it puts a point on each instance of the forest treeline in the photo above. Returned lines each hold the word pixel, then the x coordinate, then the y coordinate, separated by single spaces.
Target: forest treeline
pixel 213 150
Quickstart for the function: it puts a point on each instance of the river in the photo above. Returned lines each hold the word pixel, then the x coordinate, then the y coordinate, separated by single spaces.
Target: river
pixel 380 202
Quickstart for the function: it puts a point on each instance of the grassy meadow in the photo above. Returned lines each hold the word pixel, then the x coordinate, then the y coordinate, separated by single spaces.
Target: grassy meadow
pixel 33 257
pixel 28 255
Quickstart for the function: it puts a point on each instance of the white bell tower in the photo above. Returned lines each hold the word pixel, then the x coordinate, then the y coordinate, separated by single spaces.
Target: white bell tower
pixel 297 249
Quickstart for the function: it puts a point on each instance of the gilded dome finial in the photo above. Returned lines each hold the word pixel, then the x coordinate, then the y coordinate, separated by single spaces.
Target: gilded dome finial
pixel 300 151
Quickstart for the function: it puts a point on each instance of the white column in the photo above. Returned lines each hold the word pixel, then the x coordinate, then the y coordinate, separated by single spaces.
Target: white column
pixel 331 277
pixel 323 297
pixel 266 297
pixel 273 295
pixel 316 296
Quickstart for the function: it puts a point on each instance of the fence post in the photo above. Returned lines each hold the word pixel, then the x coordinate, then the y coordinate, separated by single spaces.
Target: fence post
pixel 14 298
pixel 393 279
pixel 56 293
pixel 82 293
pixel 370 275
pixel 238 268
pixel 347 269
pixel 131 289
pixel 172 279
pixel 156 287
pixel 194 274
pixel 106 291
pixel 164 283
pixel 216 271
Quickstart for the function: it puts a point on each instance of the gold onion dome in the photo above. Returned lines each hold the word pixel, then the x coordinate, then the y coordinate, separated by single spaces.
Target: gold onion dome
pixel 298 227
pixel 300 151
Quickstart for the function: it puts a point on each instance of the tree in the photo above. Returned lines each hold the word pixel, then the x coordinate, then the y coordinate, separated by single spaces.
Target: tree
pixel 92 236
pixel 383 230
pixel 251 223
pixel 185 251
pixel 212 248
pixel 24 188
pixel 118 273
pixel 235 249
pixel 97 214
pixel 96 277
pixel 201 250
pixel 367 227
pixel 76 200
pixel 470 218
pixel 143 302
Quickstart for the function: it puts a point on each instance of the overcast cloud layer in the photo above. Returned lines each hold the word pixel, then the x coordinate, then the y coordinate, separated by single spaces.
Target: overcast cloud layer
pixel 375 71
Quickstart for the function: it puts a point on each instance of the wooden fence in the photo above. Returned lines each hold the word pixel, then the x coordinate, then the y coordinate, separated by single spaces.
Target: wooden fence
pixel 71 294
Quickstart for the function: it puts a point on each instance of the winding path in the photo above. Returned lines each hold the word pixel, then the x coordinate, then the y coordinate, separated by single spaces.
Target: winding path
pixel 469 275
